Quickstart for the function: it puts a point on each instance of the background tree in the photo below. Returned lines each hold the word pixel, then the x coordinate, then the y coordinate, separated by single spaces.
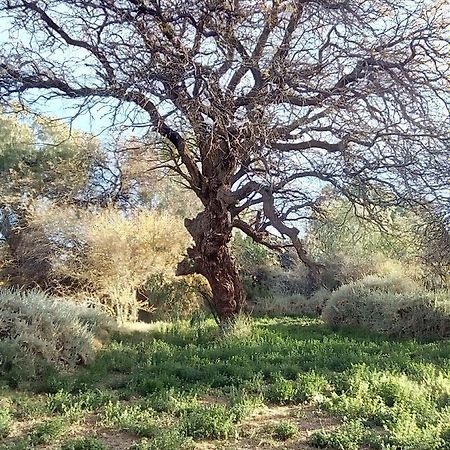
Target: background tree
pixel 40 158
pixel 262 102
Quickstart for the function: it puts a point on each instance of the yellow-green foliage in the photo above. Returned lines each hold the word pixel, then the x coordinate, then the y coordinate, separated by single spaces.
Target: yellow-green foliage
pixel 106 254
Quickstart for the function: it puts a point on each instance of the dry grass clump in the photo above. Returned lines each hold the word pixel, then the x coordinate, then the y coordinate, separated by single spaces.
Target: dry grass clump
pixel 394 305
pixel 38 332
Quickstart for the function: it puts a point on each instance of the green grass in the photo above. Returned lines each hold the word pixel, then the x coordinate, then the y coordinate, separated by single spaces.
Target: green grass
pixel 177 384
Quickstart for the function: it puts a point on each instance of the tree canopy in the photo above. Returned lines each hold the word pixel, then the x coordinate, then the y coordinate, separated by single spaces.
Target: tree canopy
pixel 262 103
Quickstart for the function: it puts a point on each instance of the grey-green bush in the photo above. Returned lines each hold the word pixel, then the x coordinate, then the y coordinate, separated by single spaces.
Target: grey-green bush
pixel 391 305
pixel 38 332
pixel 290 305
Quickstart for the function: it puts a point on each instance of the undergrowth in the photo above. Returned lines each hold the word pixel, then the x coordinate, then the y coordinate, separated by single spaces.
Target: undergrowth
pixel 179 384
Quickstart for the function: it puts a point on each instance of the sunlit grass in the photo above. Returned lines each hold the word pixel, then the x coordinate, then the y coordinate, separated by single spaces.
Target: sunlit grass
pixel 384 393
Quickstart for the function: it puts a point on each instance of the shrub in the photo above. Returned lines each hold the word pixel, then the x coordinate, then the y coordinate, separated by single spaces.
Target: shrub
pixel 284 430
pixel 395 283
pixel 240 328
pixel 351 247
pixel 349 437
pixel 47 432
pixel 172 439
pixel 242 404
pixel 278 305
pixel 105 253
pixel 305 387
pixel 171 401
pixel 317 302
pixel 281 391
pixel 390 305
pixel 5 421
pixel 77 405
pixel 86 443
pixel 38 332
pixel 270 286
pixel 172 297
pixel 133 418
pixel 291 305
pixel 211 422
pixel 344 267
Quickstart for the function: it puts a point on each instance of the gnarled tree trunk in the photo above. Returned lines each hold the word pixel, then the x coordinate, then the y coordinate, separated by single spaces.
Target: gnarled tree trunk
pixel 211 257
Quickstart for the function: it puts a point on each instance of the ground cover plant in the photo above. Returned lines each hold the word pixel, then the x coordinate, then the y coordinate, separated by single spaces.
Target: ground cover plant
pixel 287 383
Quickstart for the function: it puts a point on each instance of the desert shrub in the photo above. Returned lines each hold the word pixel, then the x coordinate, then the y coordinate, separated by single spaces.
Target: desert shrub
pixel 395 283
pixel 211 422
pixel 240 328
pixel 172 439
pixel 305 387
pixel 290 282
pixel 317 302
pixel 345 267
pixel 349 265
pixel 351 247
pixel 284 430
pixel 47 432
pixel 250 254
pixel 74 406
pixel 390 305
pixel 6 421
pixel 38 332
pixel 105 254
pixel 242 404
pixel 171 401
pixel 263 273
pixel 434 235
pixel 290 305
pixel 346 228
pixel 172 297
pixel 86 443
pixel 348 436
pixel 278 306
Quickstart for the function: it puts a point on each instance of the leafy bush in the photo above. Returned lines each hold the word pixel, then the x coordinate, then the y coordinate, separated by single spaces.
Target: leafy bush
pixel 284 430
pixel 5 421
pixel 211 422
pixel 134 418
pixel 74 406
pixel 304 388
pixel 47 432
pixel 86 443
pixel 172 439
pixel 349 437
pixel 391 305
pixel 250 254
pixel 279 305
pixel 171 401
pixel 291 305
pixel 38 332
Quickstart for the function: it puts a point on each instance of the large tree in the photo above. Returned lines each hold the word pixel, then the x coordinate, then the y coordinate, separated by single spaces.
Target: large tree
pixel 263 102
